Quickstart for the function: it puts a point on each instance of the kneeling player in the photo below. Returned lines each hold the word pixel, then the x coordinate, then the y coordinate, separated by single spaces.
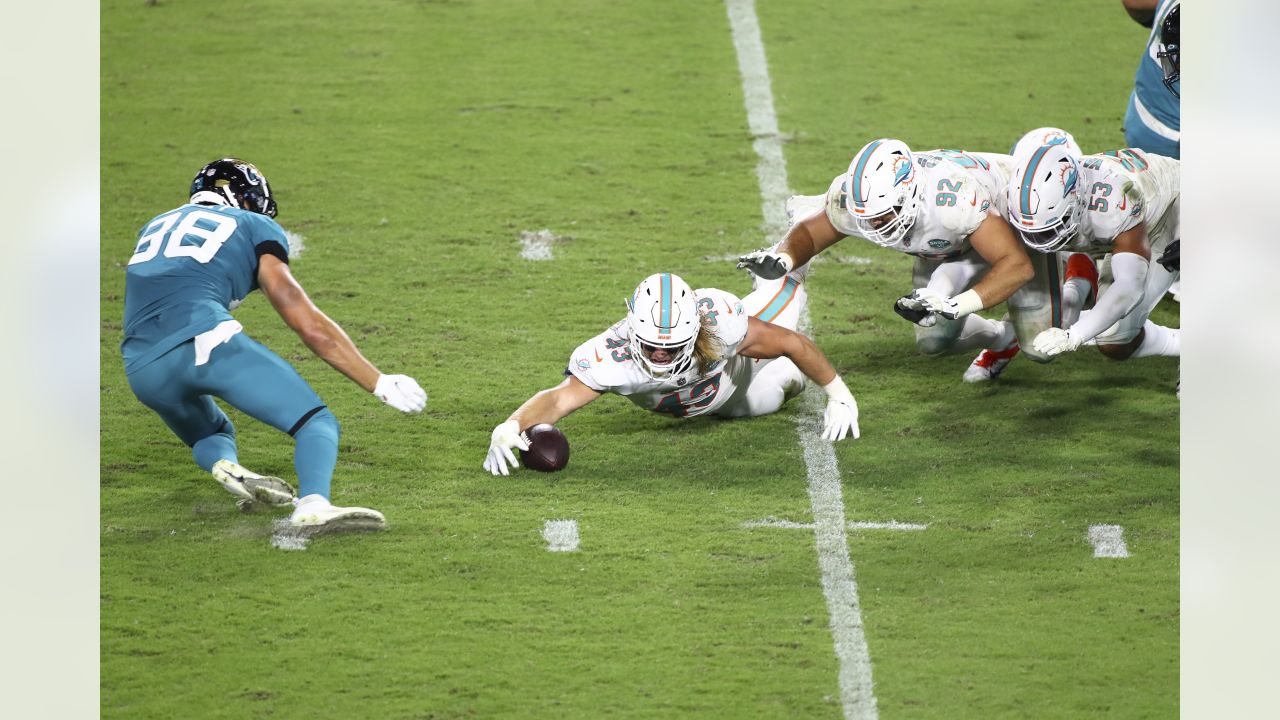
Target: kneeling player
pixel 687 352
pixel 1121 204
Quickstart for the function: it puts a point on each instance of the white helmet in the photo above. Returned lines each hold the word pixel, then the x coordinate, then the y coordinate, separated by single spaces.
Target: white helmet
pixel 1028 143
pixel 663 315
pixel 1045 202
pixel 884 196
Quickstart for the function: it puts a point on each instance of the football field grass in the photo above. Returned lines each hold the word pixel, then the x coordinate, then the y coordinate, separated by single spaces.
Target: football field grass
pixel 410 144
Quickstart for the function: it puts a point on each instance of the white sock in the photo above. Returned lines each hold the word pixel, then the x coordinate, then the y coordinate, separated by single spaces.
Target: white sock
pixel 1074 293
pixel 1159 341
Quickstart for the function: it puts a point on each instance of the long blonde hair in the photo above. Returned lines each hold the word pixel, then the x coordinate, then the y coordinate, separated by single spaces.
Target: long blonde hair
pixel 707 349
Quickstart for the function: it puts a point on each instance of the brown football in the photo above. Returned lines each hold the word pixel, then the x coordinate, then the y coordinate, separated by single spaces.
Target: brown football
pixel 548 449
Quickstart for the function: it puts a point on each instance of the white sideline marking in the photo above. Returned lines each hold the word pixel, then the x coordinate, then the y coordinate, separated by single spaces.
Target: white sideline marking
pixel 287 537
pixel 537 245
pixel 561 535
pixel 1108 541
pixel 825 494
pixel 297 243
pixel 852 525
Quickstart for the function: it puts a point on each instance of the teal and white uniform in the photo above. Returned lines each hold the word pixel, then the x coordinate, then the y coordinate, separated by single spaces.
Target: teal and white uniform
pixel 191 266
pixel 1153 120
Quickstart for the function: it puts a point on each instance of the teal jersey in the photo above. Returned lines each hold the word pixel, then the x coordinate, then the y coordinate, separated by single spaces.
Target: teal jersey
pixel 1151 104
pixel 190 268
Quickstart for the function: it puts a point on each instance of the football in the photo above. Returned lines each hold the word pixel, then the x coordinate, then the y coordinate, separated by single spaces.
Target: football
pixel 548 449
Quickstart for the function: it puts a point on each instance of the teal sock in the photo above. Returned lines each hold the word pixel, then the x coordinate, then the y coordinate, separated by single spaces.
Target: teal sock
pixel 315 454
pixel 218 446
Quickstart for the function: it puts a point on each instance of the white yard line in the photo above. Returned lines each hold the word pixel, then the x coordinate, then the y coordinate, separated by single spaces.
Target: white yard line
pixel 537 245
pixel 297 243
pixel 286 537
pixel 825 494
pixel 852 525
pixel 561 535
pixel 1108 541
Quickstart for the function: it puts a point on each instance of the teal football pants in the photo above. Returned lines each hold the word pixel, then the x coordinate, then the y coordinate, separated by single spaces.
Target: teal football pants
pixel 253 379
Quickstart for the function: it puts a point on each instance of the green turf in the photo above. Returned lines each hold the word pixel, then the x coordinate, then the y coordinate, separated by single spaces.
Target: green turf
pixel 411 143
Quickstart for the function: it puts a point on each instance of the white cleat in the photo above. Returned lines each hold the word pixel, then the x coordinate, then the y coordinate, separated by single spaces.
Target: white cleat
pixel 989 364
pixel 251 486
pixel 314 515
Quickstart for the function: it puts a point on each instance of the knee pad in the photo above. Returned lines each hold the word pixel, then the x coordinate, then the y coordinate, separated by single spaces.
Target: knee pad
pixel 934 345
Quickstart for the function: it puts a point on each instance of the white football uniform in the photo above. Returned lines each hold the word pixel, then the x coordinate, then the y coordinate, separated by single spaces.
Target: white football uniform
pixel 732 386
pixel 1127 188
pixel 960 190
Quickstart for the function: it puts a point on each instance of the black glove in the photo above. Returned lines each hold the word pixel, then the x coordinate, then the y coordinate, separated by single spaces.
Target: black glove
pixel 1172 257
pixel 764 264
pixel 910 309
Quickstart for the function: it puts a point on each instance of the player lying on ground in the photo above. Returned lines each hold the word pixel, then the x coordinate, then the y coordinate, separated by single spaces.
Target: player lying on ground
pixel 943 207
pixel 685 353
pixel 191 267
pixel 1123 203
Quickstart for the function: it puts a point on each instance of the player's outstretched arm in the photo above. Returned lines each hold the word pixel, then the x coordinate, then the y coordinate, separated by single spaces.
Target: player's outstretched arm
pixel 1010 267
pixel 766 341
pixel 546 406
pixel 802 242
pixel 328 340
pixel 1130 263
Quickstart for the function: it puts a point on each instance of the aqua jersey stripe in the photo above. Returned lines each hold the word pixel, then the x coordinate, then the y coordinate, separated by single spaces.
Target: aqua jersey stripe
pixel 856 190
pixel 664 324
pixel 1029 177
pixel 780 300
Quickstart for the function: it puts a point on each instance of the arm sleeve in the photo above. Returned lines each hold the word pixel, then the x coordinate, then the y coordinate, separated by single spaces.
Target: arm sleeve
pixel 269 238
pixel 1130 273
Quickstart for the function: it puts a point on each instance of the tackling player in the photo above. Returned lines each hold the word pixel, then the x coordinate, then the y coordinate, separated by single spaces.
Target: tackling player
pixel 1124 203
pixel 686 353
pixel 190 268
pixel 943 207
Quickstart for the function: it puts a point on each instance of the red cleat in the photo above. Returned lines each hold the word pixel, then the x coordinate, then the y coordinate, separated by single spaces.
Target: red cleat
pixel 1080 265
pixel 989 364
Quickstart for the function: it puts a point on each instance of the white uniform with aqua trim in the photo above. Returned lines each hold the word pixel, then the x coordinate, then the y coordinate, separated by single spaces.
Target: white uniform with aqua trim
pixel 1125 188
pixel 958 188
pixel 733 386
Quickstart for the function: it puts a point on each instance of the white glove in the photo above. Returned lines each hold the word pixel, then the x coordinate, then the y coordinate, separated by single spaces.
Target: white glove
pixel 1055 341
pixel 951 308
pixel 841 416
pixel 500 459
pixel 767 264
pixel 401 392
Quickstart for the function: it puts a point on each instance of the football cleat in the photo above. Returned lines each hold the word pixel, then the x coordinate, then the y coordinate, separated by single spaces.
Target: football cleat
pixel 1080 265
pixel 989 364
pixel 314 514
pixel 251 486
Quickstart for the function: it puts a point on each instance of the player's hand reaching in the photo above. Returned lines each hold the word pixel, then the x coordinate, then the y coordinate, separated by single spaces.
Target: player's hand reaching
pixel 766 263
pixel 911 309
pixel 940 304
pixel 401 392
pixel 1055 341
pixel 1171 258
pixel 840 419
pixel 500 459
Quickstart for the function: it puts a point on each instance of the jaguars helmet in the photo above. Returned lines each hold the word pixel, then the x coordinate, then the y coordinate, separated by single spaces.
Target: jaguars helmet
pixel 1044 198
pixel 662 314
pixel 883 196
pixel 233 182
pixel 1170 51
